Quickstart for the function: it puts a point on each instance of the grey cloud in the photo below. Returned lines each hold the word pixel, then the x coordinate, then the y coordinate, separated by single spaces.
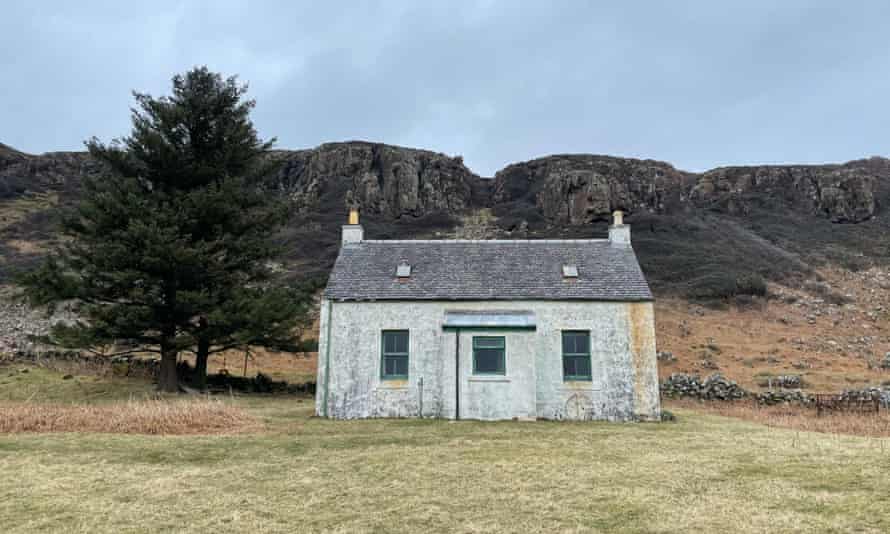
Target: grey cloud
pixel 698 83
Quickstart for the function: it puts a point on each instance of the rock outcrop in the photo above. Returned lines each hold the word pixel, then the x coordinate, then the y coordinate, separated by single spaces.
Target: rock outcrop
pixel 578 189
pixel 24 173
pixel 20 324
pixel 843 193
pixel 565 189
pixel 379 178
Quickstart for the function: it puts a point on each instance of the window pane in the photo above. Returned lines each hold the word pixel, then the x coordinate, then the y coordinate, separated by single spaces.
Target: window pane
pixel 576 367
pixel 582 343
pixel 488 342
pixel 568 367
pixel 395 342
pixel 575 343
pixel 489 360
pixel 401 365
pixel 568 343
pixel 582 366
pixel 395 366
pixel 389 342
pixel 401 341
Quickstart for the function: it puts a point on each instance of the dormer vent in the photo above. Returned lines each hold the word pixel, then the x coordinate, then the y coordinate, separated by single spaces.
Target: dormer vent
pixel 403 270
pixel 570 271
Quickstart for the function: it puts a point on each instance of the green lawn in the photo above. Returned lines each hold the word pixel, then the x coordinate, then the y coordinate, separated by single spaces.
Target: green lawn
pixel 305 475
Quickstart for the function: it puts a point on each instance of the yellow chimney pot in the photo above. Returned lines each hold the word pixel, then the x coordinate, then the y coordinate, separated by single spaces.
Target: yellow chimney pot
pixel 353 216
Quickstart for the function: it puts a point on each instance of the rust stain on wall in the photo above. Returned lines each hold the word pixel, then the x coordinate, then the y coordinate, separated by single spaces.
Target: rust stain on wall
pixel 642 348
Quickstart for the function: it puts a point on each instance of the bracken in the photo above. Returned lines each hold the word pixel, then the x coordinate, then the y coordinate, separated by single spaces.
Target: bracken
pixel 796 416
pixel 193 416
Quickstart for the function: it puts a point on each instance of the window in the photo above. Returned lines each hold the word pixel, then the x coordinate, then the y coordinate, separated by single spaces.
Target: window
pixel 488 356
pixel 395 355
pixel 576 355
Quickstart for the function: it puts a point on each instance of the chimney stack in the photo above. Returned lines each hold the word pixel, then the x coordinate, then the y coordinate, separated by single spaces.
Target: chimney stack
pixel 619 233
pixel 352 232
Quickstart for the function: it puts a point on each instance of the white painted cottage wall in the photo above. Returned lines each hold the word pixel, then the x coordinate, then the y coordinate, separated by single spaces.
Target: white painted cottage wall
pixel 624 385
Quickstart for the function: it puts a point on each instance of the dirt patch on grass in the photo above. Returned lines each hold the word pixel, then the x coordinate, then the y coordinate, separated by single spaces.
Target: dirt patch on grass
pixel 157 417
pixel 795 417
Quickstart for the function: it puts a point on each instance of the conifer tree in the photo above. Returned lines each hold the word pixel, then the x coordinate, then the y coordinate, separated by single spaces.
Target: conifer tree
pixel 169 250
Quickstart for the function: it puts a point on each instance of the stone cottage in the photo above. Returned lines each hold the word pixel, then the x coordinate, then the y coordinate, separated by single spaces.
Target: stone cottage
pixel 490 329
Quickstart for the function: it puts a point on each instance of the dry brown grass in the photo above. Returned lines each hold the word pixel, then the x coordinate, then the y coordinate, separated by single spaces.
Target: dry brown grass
pixel 155 416
pixel 795 417
pixel 296 368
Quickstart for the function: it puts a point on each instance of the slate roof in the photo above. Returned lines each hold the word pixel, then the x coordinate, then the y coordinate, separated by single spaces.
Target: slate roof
pixel 487 270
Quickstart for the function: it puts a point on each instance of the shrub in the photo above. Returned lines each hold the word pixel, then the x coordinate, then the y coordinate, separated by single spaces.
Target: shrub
pixel 725 286
pixel 308 345
pixel 823 290
pixel 752 284
pixel 712 286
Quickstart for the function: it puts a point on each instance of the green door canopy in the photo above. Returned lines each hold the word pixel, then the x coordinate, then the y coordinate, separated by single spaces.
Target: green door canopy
pixel 488 320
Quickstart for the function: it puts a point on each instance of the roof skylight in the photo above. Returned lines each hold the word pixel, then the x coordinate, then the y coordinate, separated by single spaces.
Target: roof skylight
pixel 570 271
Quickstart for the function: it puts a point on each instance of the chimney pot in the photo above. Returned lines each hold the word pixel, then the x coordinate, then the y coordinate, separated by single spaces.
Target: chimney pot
pixel 353 216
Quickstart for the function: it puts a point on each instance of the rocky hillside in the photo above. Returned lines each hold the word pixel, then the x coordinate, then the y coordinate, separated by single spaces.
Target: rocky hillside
pixel 843 193
pixel 23 174
pixel 580 189
pixel 379 179
pixel 698 234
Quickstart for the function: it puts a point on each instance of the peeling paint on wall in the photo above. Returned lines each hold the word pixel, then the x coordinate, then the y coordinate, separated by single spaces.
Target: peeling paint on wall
pixel 533 386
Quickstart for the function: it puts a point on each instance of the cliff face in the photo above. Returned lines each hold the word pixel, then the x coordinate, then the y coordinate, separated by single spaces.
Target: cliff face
pixel 22 173
pixel 379 179
pixel 842 193
pixel 579 189
pixel 393 181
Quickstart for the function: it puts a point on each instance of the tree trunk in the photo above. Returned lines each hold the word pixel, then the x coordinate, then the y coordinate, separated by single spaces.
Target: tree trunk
pixel 201 358
pixel 167 380
pixel 202 354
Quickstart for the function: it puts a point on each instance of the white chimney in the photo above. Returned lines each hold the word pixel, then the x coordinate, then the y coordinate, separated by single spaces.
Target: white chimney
pixel 352 232
pixel 619 233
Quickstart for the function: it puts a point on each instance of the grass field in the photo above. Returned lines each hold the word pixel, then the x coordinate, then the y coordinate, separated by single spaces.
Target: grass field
pixel 302 474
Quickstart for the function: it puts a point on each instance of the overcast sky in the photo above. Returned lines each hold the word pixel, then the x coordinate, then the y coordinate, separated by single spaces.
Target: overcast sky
pixel 695 83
